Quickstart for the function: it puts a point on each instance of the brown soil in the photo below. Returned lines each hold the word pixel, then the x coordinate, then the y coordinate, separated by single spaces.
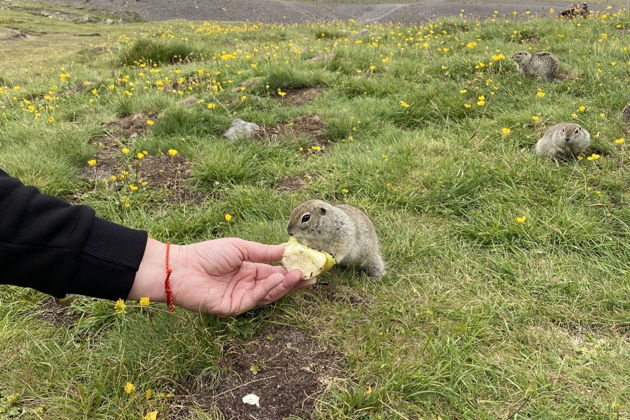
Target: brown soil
pixel 57 313
pixel 306 125
pixel 169 173
pixel 302 96
pixel 324 57
pixel 293 183
pixel 284 366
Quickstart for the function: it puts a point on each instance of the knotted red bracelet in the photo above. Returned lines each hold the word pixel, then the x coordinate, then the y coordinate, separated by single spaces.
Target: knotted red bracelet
pixel 167 282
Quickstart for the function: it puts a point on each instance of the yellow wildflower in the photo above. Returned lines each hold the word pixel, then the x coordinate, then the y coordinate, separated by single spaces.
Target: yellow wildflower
pixel 620 141
pixel 129 388
pixel 91 162
pixel 535 118
pixel 140 155
pixel 150 122
pixel 172 152
pixel 144 301
pixel 133 187
pixel 463 91
pixel 50 119
pixel 228 217
pixel 594 156
pixel 404 104
pixel 148 394
pixel 119 306
pixel 152 415
pixel 506 130
pixel 521 219
pixel 540 94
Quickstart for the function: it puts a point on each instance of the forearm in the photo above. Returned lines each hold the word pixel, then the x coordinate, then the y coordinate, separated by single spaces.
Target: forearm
pixel 57 248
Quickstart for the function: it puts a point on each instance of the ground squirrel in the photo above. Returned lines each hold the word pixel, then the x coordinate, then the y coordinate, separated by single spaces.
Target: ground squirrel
pixel 343 231
pixel 576 9
pixel 542 64
pixel 563 140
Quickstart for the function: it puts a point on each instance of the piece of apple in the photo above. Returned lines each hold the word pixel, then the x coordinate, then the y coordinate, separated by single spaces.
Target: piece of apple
pixel 309 261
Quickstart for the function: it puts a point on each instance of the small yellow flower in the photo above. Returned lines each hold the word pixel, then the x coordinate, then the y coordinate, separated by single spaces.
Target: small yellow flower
pixel 228 217
pixel 535 118
pixel 113 178
pixel 150 122
pixel 581 108
pixel 540 94
pixel 602 116
pixel 372 67
pixel 124 150
pixel 140 155
pixel 148 394
pixel 404 104
pixel 620 141
pixel 145 301
pixel 50 119
pixel 152 415
pixel 521 219
pixel 594 156
pixel 574 115
pixel 172 152
pixel 281 93
pixel 316 148
pixel 506 130
pixel 471 44
pixel 129 388
pixel 443 67
pixel 133 187
pixel 467 106
pixel 244 98
pixel 384 157
pixel 344 191
pixel 119 306
pixel 463 91
pixel 91 162
pixel 212 105
pixel 481 103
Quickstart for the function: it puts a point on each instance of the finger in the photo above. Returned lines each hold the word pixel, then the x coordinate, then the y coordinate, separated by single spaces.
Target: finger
pixel 291 280
pixel 257 252
pixel 254 297
pixel 265 270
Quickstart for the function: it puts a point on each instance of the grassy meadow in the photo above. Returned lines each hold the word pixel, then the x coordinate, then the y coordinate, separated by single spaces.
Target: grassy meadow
pixel 508 291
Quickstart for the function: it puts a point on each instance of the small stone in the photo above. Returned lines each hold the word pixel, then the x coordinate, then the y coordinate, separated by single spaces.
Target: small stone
pixel 241 129
pixel 252 399
pixel 109 21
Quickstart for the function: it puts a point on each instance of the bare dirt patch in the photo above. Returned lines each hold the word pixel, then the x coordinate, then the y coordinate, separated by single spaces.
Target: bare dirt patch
pixel 162 171
pixel 293 183
pixel 302 96
pixel 284 366
pixel 57 312
pixel 310 126
pixel 7 34
pixel 168 173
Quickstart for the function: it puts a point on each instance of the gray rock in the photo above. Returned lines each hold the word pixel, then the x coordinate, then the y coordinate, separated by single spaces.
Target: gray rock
pixel 240 129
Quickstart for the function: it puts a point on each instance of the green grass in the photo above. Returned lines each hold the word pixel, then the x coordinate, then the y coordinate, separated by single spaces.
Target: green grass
pixel 479 316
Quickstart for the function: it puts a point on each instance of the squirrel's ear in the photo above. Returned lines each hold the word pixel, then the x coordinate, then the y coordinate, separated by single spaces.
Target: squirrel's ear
pixel 322 210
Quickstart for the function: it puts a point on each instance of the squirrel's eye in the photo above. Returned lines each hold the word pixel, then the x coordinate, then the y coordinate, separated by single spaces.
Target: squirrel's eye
pixel 306 217
pixel 322 210
pixel 577 130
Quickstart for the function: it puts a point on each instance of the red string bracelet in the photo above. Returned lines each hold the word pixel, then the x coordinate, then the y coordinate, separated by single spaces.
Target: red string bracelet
pixel 167 282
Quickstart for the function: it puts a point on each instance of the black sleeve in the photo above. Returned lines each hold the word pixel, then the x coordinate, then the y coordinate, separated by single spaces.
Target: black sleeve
pixel 57 248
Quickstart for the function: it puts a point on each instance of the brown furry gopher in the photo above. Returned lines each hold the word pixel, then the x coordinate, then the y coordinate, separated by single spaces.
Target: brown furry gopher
pixel 543 64
pixel 343 231
pixel 563 140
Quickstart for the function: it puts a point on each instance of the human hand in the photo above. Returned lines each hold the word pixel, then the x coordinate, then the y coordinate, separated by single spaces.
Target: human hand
pixel 223 276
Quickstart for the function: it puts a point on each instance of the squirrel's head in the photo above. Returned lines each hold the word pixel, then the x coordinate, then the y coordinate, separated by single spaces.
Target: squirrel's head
pixel 308 220
pixel 521 56
pixel 570 132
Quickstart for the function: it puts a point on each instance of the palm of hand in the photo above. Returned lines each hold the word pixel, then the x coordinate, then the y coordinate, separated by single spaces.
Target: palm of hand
pixel 216 277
